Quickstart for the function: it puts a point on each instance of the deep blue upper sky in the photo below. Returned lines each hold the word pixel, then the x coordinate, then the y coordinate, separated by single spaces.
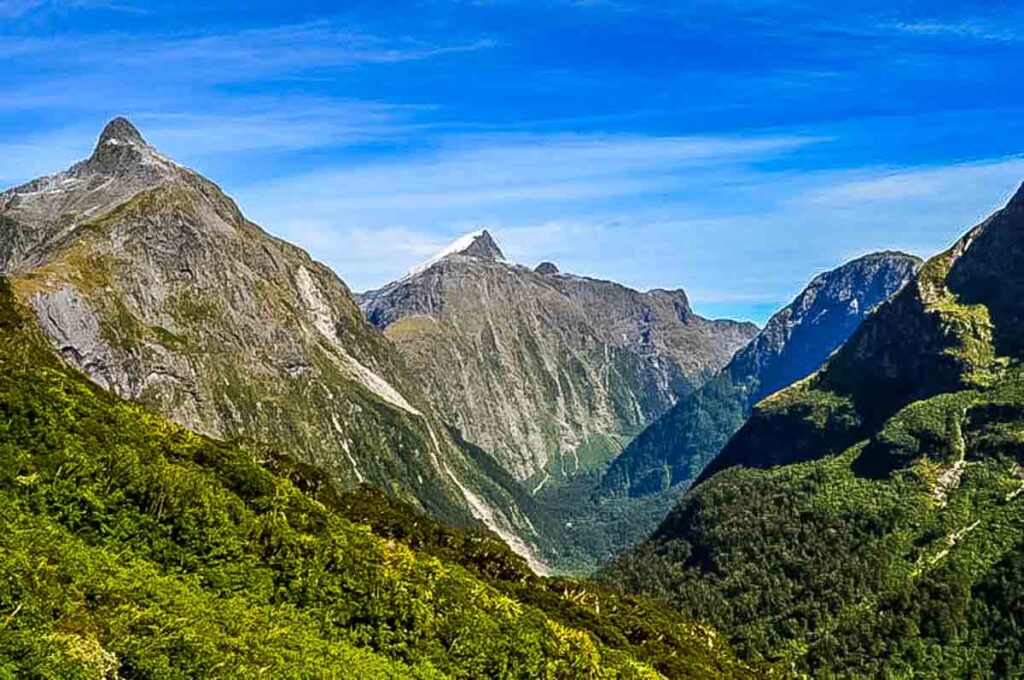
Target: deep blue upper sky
pixel 732 149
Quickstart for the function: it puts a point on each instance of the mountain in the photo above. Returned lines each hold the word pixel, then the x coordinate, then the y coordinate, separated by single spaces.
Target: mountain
pixel 795 341
pixel 131 547
pixel 148 277
pixel 868 520
pixel 601 515
pixel 549 372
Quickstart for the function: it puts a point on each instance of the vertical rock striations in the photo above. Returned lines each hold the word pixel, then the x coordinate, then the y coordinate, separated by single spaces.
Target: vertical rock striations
pixel 550 372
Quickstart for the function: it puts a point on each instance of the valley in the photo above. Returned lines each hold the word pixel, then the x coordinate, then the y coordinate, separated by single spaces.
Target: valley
pixel 216 460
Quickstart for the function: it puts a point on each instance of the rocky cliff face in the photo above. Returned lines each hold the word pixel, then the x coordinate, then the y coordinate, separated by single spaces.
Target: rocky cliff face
pixel 798 338
pixel 147 277
pixel 549 371
pixel 794 342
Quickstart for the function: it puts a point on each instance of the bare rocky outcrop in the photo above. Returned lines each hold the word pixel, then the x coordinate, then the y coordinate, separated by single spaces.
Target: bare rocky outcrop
pixel 546 268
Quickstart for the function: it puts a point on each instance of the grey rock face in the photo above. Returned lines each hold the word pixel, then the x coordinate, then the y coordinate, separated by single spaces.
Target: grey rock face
pixel 148 278
pixel 546 268
pixel 483 247
pixel 550 372
pixel 44 215
pixel 798 338
pixel 66 317
pixel 793 344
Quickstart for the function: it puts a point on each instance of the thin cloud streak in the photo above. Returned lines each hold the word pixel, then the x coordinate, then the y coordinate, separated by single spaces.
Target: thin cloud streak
pixel 999 31
pixel 483 170
pixel 17 9
pixel 239 56
pixel 12 9
pixel 197 139
pixel 630 172
pixel 958 180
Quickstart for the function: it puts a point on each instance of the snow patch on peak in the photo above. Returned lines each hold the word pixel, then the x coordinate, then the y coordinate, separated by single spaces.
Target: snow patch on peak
pixel 477 243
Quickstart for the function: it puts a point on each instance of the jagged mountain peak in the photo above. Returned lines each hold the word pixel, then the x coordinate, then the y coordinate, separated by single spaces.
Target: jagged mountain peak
pixel 794 342
pixel 482 245
pixel 591 361
pixel 122 151
pixel 135 265
pixel 120 130
pixel 45 214
pixel 478 244
pixel 879 255
pixel 846 282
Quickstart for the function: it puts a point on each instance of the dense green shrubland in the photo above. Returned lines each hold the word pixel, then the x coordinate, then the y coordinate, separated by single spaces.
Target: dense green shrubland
pixel 878 560
pixel 132 546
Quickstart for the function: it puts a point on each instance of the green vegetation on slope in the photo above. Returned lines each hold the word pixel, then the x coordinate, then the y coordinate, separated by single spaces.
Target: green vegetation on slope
pixel 797 339
pixel 149 278
pixel 129 545
pixel 674 449
pixel 641 485
pixel 869 521
pixel 883 559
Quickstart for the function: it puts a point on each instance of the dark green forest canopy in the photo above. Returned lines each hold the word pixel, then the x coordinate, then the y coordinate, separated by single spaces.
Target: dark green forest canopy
pixel 870 519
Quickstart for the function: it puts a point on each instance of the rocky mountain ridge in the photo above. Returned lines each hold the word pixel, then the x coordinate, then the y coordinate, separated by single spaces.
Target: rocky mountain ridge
pixel 148 278
pixel 548 371
pixel 795 341
pixel 618 506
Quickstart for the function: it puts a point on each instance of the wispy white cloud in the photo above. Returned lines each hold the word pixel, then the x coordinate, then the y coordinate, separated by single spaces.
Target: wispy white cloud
pixel 958 181
pixel 240 55
pixel 24 159
pixel 199 97
pixel 546 195
pixel 715 215
pixel 260 127
pixel 12 9
pixel 1000 30
pixel 483 171
pixel 731 218
pixel 731 231
pixel 15 9
pixel 277 125
pixel 362 254
pixel 198 103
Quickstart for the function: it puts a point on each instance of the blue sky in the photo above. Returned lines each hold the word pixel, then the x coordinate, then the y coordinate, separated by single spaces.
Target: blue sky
pixel 733 149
